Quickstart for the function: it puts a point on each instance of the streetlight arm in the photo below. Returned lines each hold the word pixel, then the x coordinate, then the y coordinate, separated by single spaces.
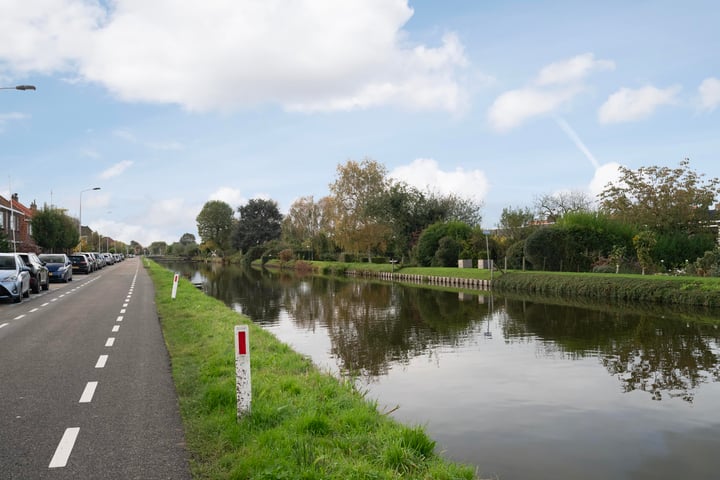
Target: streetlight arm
pixel 20 87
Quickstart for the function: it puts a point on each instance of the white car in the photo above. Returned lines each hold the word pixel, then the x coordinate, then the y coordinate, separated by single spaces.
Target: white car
pixel 14 277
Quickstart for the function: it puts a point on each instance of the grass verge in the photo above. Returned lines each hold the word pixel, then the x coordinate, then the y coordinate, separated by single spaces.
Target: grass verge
pixel 304 424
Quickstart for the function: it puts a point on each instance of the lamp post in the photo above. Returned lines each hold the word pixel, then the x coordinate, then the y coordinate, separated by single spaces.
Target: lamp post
pixel 20 87
pixel 80 214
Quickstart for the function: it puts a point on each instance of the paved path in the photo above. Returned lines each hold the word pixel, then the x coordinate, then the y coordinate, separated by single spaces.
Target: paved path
pixel 85 383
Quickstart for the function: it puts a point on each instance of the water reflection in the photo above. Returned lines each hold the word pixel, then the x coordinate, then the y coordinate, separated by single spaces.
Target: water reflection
pixel 373 326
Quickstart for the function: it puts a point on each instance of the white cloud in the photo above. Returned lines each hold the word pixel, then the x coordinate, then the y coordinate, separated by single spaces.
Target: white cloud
pixel 627 105
pixel 425 173
pixel 709 94
pixel 231 196
pixel 555 86
pixel 302 54
pixel 513 108
pixel 116 169
pixel 604 174
pixel 572 70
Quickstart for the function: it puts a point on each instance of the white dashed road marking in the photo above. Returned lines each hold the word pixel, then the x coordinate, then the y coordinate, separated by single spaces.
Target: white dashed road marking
pixel 88 393
pixel 110 342
pixel 64 448
pixel 102 360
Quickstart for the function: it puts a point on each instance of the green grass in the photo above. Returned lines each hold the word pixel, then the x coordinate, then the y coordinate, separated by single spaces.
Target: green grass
pixel 304 424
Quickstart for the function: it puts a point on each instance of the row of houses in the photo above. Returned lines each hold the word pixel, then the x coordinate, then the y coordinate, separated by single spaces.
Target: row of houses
pixel 16 223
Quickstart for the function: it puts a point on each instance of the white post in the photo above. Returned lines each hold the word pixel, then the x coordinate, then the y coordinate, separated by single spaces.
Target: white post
pixel 175 284
pixel 242 370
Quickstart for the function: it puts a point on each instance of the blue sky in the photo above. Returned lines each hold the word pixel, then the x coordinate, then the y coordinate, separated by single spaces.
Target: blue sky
pixel 168 104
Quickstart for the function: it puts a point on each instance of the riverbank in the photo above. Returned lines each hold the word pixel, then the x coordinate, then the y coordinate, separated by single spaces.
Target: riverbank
pixel 305 424
pixel 649 289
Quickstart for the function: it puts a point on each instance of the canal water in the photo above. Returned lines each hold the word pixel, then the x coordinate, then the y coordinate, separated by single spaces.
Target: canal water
pixel 520 388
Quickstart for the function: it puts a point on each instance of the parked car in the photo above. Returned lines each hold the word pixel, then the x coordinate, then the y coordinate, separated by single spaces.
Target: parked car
pixel 81 263
pixel 59 265
pixel 109 258
pixel 14 277
pixel 39 273
pixel 95 258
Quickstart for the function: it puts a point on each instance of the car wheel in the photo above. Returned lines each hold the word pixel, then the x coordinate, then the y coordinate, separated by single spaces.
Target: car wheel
pixel 46 285
pixel 17 299
pixel 35 287
pixel 26 294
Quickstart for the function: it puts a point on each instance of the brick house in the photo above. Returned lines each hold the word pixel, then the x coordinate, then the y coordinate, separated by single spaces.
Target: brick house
pixel 16 224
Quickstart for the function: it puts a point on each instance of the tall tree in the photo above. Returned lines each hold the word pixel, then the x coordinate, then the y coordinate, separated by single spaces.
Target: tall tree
pixel 215 223
pixel 187 239
pixel 553 206
pixel 356 228
pixel 302 221
pixel 54 230
pixel 662 199
pixel 260 221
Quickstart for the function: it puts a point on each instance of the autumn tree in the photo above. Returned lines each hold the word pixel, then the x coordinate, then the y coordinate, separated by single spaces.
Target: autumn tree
pixel 215 223
pixel 661 199
pixel 357 229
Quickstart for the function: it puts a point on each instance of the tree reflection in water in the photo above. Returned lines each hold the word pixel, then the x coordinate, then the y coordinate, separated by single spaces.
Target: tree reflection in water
pixel 654 354
pixel 375 325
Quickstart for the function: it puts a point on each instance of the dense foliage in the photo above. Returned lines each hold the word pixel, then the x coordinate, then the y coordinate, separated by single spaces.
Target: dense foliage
pixel 260 221
pixel 54 231
pixel 215 223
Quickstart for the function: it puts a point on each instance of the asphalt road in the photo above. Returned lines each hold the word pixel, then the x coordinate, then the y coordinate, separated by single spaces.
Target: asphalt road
pixel 85 383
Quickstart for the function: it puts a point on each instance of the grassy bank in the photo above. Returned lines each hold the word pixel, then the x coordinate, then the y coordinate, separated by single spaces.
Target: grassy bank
pixel 656 289
pixel 304 424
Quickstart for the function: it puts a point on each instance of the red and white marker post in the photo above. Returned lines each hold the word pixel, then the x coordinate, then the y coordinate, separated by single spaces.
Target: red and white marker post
pixel 174 287
pixel 242 370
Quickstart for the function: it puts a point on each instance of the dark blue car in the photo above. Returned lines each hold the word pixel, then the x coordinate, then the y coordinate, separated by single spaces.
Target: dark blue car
pixel 59 265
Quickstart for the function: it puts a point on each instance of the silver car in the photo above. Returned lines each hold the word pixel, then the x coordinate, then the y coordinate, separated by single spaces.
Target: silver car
pixel 14 277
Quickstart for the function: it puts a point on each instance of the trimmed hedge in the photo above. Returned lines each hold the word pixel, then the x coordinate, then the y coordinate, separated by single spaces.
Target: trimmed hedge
pixel 617 288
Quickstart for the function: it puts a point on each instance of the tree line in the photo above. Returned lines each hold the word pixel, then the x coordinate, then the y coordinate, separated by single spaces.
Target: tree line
pixel 653 219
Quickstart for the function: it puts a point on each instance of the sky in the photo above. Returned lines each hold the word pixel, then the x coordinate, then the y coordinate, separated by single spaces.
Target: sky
pixel 167 104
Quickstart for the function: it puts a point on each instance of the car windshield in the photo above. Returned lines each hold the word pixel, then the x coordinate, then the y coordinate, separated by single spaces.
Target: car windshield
pixel 7 263
pixel 52 258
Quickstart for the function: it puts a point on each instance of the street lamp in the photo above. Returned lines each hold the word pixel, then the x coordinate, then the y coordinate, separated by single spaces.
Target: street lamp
pixel 20 87
pixel 80 215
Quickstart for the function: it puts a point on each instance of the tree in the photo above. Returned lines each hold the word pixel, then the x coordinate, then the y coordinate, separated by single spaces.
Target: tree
pixel 447 253
pixel 158 248
pixel 188 239
pixel 54 230
pixel 644 242
pixel 515 223
pixel 301 225
pixel 356 228
pixel 260 221
pixel 429 241
pixel 553 206
pixel 215 223
pixel 661 199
